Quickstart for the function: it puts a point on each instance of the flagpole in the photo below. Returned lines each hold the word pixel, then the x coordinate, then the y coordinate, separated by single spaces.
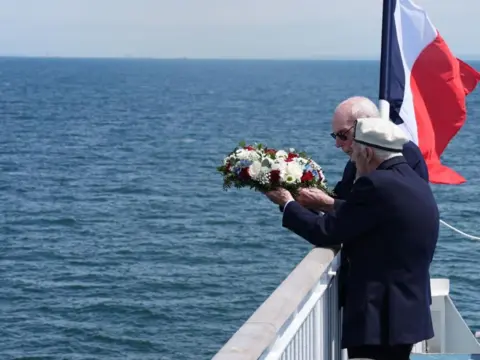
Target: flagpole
pixel 385 52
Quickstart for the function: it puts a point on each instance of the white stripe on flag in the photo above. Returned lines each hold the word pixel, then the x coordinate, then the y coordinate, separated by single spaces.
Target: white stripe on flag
pixel 414 33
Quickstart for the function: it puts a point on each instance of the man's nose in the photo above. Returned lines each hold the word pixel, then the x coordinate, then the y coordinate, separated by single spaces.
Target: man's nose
pixel 338 143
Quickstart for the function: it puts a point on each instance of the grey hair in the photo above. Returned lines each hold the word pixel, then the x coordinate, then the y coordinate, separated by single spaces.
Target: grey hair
pixel 364 108
pixel 382 155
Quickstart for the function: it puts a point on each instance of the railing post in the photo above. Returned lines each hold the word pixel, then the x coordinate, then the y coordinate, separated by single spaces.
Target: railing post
pixel 318 328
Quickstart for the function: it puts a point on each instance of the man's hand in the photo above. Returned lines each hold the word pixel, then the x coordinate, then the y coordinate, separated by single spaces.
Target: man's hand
pixel 279 196
pixel 315 199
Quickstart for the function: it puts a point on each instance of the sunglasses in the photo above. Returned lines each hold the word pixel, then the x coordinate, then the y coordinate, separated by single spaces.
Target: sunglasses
pixel 342 135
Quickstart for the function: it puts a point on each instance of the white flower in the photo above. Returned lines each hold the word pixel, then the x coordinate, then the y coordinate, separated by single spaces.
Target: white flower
pixel 281 154
pixel 259 173
pixel 293 172
pixel 264 177
pixel 289 179
pixel 255 170
pixel 254 156
pixel 244 154
pixel 241 154
pixel 301 161
pixel 279 165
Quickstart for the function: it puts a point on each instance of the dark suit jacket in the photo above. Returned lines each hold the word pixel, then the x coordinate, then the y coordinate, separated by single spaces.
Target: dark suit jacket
pixel 412 154
pixel 389 228
pixel 414 158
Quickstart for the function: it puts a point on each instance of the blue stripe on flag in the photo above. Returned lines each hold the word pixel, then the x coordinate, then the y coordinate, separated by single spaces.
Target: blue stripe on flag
pixel 392 74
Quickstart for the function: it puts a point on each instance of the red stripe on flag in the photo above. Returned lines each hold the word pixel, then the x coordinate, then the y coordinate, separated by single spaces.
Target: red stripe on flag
pixel 440 83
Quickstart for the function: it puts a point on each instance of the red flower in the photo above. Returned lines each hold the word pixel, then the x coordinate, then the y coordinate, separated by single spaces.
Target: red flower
pixel 270 152
pixel 307 176
pixel 290 157
pixel 244 174
pixel 249 147
pixel 228 166
pixel 275 176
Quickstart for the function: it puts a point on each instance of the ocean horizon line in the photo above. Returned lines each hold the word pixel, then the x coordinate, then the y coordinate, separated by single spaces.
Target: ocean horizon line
pixel 186 58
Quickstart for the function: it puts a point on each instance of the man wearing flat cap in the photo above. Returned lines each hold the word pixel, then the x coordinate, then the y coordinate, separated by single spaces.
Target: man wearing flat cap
pixel 388 226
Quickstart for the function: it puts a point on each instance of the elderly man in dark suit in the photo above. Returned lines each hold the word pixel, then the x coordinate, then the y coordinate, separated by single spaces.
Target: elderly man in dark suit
pixel 343 119
pixel 388 226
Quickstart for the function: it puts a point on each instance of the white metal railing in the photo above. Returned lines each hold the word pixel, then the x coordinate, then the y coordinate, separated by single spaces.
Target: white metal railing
pixel 299 321
pixel 313 332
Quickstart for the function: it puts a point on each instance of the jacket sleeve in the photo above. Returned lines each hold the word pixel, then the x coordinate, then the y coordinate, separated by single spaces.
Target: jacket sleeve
pixel 414 157
pixel 344 186
pixel 355 216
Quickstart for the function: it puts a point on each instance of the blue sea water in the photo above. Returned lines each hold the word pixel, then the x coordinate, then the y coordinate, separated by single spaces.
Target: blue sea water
pixel 117 240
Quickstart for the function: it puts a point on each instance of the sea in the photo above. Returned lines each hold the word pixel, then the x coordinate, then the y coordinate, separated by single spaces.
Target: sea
pixel 117 240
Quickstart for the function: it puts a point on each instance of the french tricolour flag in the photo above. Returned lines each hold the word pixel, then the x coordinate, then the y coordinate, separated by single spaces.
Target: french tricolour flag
pixel 426 85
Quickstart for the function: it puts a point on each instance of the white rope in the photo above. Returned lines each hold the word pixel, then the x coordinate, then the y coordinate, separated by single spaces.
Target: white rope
pixel 459 231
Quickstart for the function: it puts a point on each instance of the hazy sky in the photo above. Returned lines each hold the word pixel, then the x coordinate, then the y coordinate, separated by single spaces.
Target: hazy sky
pixel 217 28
